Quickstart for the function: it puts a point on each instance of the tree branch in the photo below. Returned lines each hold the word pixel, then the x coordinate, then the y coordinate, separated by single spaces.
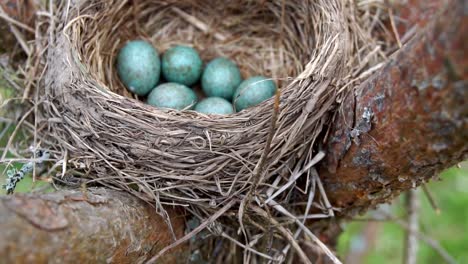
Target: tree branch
pixel 405 124
pixel 96 226
pixel 412 211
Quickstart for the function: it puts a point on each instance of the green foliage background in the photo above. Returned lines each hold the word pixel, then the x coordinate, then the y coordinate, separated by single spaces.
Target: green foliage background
pixel 450 227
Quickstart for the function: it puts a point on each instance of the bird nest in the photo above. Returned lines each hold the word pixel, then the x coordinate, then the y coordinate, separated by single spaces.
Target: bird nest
pixel 316 51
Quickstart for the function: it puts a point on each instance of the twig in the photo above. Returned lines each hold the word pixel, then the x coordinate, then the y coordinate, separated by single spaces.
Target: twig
pixel 20 38
pixel 14 176
pixel 322 193
pixel 310 200
pixel 262 162
pixel 283 8
pixel 293 178
pixel 5 130
pixel 412 209
pixel 10 20
pixel 195 231
pixel 258 172
pixel 7 77
pixel 246 247
pixel 431 199
pixel 284 232
pixel 426 239
pixel 371 219
pixel 394 29
pixel 198 24
pixel 306 230
pixel 13 134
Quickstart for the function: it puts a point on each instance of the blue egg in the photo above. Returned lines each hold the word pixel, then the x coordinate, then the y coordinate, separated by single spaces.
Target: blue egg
pixel 253 91
pixel 139 67
pixel 215 105
pixel 172 95
pixel 221 78
pixel 182 64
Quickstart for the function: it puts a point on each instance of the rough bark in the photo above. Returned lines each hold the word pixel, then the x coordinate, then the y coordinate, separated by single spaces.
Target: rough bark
pixel 408 122
pixel 96 226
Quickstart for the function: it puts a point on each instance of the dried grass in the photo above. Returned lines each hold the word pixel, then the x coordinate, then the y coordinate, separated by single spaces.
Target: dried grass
pixel 316 51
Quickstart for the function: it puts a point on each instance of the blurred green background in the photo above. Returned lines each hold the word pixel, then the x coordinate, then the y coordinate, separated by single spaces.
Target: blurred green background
pixel 383 242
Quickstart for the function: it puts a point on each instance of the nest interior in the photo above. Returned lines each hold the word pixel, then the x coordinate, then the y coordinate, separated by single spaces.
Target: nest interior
pixel 247 33
pixel 314 50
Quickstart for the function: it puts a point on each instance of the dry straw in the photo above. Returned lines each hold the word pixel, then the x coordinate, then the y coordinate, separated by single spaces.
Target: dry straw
pixel 240 170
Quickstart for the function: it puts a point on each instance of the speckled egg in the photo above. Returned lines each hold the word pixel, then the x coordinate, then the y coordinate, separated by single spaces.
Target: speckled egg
pixel 172 95
pixel 215 105
pixel 221 78
pixel 253 91
pixel 182 64
pixel 139 67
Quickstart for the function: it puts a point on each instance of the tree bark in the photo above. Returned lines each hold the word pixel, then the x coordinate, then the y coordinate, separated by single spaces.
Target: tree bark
pixel 95 226
pixel 406 123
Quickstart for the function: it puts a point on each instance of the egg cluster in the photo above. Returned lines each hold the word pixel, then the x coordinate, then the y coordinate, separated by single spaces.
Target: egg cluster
pixel 140 68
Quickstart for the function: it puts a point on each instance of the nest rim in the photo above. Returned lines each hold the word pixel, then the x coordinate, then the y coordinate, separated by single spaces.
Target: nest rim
pixel 187 158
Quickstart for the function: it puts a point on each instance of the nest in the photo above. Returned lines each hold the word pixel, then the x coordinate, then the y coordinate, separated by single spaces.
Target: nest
pixel 316 51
